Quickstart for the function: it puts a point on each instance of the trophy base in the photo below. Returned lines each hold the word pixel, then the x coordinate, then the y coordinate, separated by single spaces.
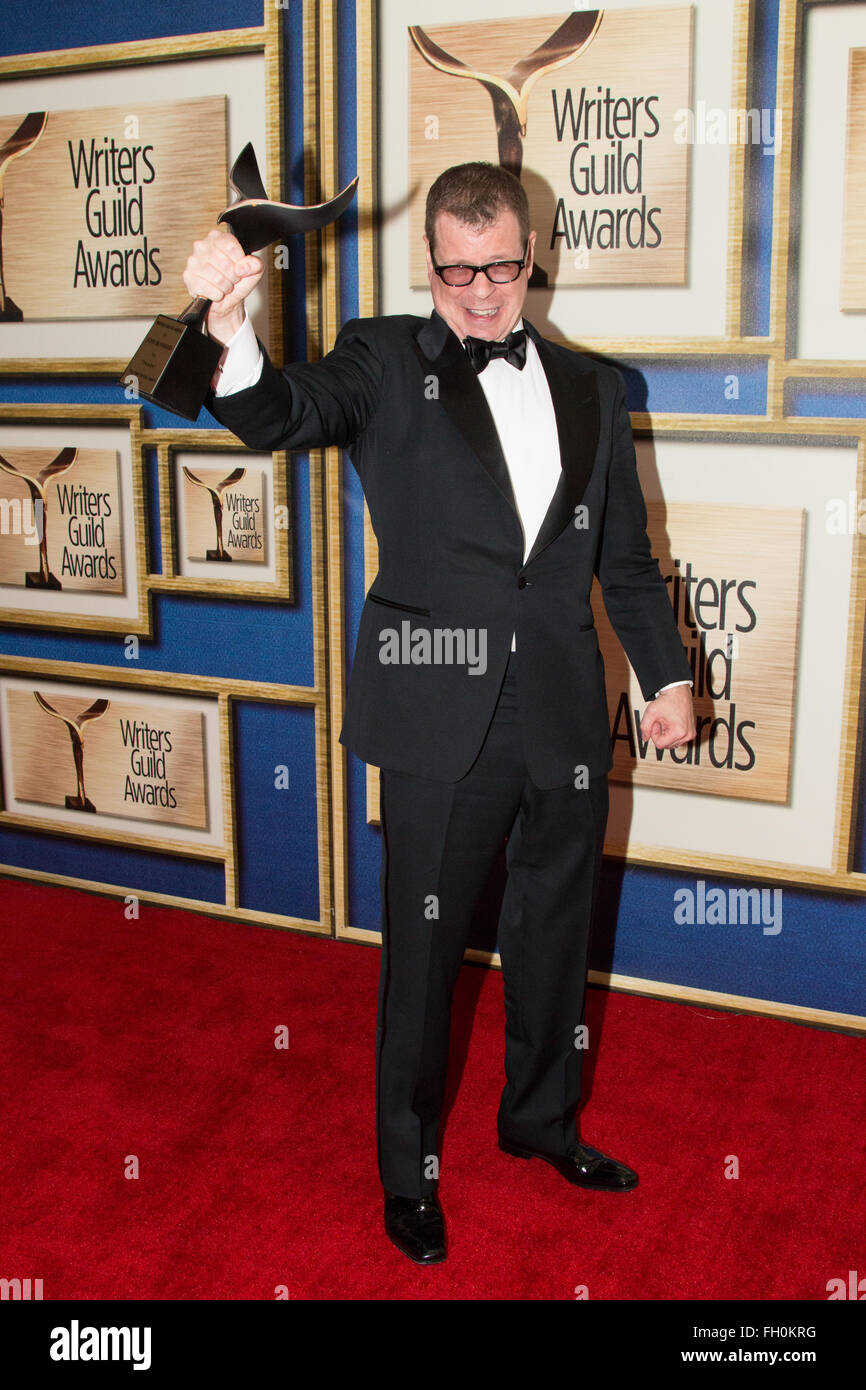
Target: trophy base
pixel 33 580
pixel 216 555
pixel 75 803
pixel 174 366
pixel 10 313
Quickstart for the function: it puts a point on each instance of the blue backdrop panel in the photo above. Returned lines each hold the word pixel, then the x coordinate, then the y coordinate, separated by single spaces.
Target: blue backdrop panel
pixel 29 28
pixel 142 870
pixel 815 959
pixel 726 386
pixel 827 399
pixel 276 827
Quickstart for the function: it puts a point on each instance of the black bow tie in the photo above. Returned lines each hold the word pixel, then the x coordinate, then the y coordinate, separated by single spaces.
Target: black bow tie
pixel 512 348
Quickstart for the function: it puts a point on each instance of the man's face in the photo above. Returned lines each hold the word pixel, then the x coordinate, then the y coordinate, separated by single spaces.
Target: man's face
pixel 482 309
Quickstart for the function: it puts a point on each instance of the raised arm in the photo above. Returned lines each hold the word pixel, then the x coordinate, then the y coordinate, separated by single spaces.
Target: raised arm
pixel 302 405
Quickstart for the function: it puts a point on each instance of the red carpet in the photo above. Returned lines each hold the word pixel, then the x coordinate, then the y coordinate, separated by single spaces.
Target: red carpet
pixel 257 1166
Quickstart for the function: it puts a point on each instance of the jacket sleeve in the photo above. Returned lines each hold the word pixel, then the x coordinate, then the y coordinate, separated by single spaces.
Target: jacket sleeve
pixel 308 405
pixel 635 594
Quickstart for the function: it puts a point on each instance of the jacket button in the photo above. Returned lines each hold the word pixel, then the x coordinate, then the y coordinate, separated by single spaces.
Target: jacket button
pixel 522 581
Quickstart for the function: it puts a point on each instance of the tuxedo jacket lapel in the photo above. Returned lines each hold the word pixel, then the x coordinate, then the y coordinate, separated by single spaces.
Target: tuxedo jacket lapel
pixel 461 394
pixel 575 404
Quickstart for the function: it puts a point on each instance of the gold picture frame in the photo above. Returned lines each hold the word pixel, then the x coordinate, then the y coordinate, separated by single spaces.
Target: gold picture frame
pixel 277 581
pixel 69 425
pixel 150 57
pixel 730 340
pixel 787 366
pixel 54 695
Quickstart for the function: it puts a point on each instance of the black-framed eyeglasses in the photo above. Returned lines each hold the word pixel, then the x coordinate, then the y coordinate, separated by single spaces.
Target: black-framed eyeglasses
pixel 499 272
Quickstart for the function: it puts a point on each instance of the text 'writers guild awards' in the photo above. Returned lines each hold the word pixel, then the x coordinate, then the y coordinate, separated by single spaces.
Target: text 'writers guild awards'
pixel 176 362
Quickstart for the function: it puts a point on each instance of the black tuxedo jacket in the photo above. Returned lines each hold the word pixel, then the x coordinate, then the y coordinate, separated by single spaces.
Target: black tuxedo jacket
pixel 400 394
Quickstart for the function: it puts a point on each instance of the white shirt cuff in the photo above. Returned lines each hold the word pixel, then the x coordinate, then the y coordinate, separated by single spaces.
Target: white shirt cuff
pixel 671 686
pixel 242 362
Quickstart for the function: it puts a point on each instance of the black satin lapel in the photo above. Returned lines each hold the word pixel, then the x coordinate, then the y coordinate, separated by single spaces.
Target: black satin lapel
pixel 575 404
pixel 463 398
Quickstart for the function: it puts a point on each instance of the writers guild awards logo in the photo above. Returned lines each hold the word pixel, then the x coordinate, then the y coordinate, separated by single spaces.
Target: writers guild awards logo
pixel 75 725
pixel 510 94
pixel 42 578
pixel 216 496
pixel 22 140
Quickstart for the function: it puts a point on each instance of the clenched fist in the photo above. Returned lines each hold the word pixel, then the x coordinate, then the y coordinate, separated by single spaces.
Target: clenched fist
pixel 669 719
pixel 219 270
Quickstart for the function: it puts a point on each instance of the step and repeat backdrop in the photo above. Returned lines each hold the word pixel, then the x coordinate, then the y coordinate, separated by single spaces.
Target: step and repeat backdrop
pixel 179 613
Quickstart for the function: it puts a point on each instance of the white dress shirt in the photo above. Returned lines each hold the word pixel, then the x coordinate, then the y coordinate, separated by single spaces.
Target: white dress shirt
pixel 242 361
pixel 522 410
pixel 525 420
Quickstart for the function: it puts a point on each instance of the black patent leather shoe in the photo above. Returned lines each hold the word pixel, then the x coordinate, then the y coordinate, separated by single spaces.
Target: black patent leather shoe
pixel 586 1167
pixel 416 1226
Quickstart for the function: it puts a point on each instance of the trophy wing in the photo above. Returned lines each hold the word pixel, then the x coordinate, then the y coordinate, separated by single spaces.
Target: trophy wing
pixel 64 460
pixel 21 139
pixel 49 709
pixel 234 477
pixel 257 224
pixel 188 473
pixel 436 56
pixel 244 177
pixel 572 36
pixel 92 712
pixel 501 90
pixel 10 467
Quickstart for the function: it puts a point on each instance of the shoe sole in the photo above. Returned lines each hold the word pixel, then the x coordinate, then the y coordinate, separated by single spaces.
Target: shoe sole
pixel 436 1259
pixel 588 1186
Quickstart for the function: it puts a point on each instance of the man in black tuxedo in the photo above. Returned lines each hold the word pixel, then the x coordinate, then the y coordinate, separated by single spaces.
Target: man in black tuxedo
pixel 499 472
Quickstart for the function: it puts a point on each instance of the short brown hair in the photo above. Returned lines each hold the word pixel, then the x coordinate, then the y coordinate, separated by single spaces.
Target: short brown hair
pixel 476 194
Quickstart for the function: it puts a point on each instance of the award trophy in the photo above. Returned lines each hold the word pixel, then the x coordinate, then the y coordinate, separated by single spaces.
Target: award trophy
pixel 216 497
pixel 42 578
pixel 19 142
pixel 510 94
pixel 174 365
pixel 75 725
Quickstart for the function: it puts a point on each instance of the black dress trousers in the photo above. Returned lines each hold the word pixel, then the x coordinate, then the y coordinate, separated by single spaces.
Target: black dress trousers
pixel 439 843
